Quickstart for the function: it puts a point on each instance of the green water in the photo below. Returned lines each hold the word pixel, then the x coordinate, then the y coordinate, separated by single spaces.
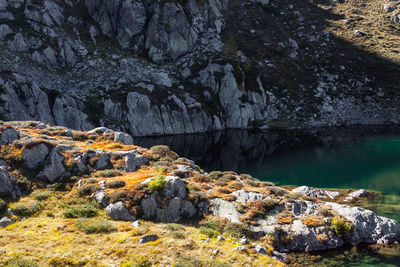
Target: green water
pixel 372 163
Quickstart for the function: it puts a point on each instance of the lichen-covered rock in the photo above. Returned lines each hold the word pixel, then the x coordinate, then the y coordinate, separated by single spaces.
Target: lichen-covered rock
pixel 225 209
pixel 118 212
pixel 244 196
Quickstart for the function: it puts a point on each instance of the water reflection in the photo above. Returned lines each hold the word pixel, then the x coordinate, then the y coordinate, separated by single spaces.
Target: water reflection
pixel 355 158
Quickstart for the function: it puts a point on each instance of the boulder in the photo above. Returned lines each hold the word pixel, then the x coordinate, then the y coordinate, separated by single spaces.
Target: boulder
pixel 5 221
pixel 7 185
pixel 225 209
pixel 102 198
pixel 124 138
pixel 103 162
pixel 8 135
pixel 118 212
pixel 100 130
pixel 148 238
pixel 368 227
pixel 133 161
pixel 243 196
pixel 54 170
pixel 34 157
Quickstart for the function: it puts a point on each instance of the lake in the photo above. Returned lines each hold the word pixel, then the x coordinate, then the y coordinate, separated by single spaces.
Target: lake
pixel 367 157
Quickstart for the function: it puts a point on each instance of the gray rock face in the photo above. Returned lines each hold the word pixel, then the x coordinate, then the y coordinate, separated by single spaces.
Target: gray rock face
pixel 7 185
pixel 243 196
pixel 5 221
pixel 225 209
pixel 148 238
pixel 102 198
pixel 175 208
pixel 54 170
pixel 315 192
pixel 124 138
pixel 35 156
pixel 118 212
pixel 4 31
pixel 369 227
pixel 133 161
pixel 103 162
pixel 8 135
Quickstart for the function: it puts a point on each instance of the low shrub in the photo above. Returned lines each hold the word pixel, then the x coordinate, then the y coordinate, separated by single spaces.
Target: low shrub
pixel 81 211
pixel 57 261
pixel 157 184
pixel 20 262
pixel 22 182
pixel 56 187
pixel 236 185
pixel 208 231
pixel 116 184
pixel 214 224
pixel 88 189
pixel 41 195
pixel 341 227
pixel 174 227
pixel 108 173
pixel 165 153
pixel 215 175
pixel 237 230
pixel 138 261
pixel 90 226
pixel 27 208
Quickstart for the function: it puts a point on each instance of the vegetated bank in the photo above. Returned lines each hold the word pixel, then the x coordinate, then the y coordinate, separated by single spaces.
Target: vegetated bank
pixel 65 190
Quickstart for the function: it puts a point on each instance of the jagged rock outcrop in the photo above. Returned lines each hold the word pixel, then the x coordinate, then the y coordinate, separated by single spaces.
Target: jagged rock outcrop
pixel 173 70
pixel 7 185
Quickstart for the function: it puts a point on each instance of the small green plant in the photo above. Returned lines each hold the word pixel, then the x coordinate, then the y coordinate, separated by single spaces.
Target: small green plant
pixel 157 184
pixel 138 261
pixel 27 208
pixel 116 184
pixel 108 173
pixel 22 182
pixel 209 232
pixel 87 189
pixel 90 226
pixel 41 195
pixel 20 262
pixel 81 211
pixel 341 227
pixel 237 230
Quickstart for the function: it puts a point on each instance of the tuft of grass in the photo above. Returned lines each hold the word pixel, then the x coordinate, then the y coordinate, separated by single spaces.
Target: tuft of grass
pixel 90 226
pixel 27 208
pixel 87 189
pixel 237 230
pixel 41 195
pixel 116 184
pixel 108 173
pixel 138 261
pixel 20 262
pixel 81 211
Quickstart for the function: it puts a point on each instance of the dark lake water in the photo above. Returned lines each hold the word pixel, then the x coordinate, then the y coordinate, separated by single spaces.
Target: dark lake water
pixel 335 158
pixel 327 158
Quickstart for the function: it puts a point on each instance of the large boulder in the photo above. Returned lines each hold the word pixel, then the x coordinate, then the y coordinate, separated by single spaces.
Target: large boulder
pixel 225 209
pixel 8 135
pixel 118 212
pixel 124 138
pixel 54 170
pixel 368 227
pixel 34 157
pixel 7 185
pixel 170 204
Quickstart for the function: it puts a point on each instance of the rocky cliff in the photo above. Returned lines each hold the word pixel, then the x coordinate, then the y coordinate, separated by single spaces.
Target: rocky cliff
pixel 169 67
pixel 102 175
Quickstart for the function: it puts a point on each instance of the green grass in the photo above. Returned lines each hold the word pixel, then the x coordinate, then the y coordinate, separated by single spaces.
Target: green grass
pixel 81 211
pixel 27 208
pixel 91 226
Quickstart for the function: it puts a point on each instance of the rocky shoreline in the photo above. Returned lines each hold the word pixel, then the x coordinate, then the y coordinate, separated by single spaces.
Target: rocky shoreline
pixel 132 183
